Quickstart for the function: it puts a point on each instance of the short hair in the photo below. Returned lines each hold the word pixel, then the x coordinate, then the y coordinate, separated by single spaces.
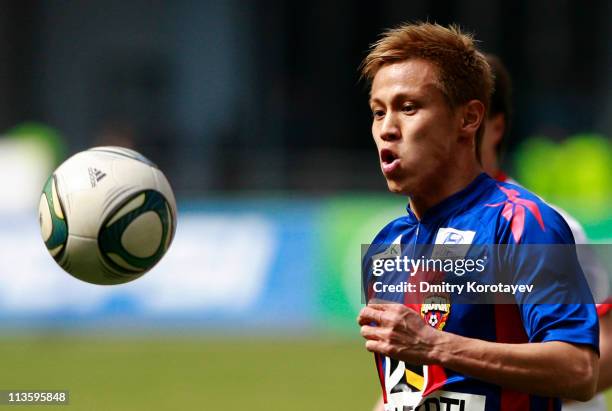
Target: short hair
pixel 501 99
pixel 463 71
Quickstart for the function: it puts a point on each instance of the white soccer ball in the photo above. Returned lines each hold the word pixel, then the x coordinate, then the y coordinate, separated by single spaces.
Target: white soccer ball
pixel 107 215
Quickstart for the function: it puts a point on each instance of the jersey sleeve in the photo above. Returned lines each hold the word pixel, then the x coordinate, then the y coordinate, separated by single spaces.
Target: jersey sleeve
pixel 572 323
pixel 560 306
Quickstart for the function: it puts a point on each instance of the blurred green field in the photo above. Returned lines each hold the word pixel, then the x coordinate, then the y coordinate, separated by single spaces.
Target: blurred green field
pixel 170 373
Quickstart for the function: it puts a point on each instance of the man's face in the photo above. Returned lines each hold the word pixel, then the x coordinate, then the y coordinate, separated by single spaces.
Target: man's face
pixel 413 126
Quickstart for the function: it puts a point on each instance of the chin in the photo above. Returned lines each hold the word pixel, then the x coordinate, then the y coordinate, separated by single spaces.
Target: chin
pixel 396 187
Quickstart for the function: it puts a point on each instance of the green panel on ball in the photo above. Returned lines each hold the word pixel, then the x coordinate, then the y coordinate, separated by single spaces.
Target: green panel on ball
pixel 110 235
pixel 59 233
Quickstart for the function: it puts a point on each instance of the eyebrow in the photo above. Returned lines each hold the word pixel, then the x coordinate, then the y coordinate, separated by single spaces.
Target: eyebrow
pixel 399 96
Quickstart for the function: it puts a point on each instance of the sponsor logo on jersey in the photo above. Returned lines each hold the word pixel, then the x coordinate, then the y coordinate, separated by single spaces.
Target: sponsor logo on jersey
pixel 447 235
pixel 449 241
pixel 441 401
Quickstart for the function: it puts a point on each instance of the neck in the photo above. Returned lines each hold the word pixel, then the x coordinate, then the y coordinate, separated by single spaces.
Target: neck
pixel 438 191
pixel 491 167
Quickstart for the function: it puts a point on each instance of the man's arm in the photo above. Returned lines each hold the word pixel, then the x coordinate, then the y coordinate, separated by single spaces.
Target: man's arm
pixel 555 368
pixel 552 368
pixel 605 350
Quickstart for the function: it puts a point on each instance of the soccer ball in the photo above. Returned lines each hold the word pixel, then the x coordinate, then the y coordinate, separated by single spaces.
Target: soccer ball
pixel 107 215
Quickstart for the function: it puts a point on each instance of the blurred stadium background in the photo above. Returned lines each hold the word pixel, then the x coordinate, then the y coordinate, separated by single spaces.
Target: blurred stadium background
pixel 255 113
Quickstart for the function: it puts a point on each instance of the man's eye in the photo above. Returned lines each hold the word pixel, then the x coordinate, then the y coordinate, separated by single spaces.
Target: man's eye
pixel 409 108
pixel 378 113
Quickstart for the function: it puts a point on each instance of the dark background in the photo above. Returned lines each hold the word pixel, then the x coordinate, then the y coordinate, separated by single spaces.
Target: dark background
pixel 265 95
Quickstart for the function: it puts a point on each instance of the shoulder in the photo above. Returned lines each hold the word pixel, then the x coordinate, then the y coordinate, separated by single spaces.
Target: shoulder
pixel 523 217
pixel 384 243
pixel 576 228
pixel 392 231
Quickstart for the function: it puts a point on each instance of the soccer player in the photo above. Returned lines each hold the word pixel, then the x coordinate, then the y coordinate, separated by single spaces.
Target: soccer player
pixel 429 95
pixel 495 136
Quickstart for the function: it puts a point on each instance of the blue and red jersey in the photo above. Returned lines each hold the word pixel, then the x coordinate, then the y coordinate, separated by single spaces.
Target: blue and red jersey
pixel 485 212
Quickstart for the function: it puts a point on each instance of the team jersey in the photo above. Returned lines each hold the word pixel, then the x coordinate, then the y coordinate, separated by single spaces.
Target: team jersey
pixel 485 212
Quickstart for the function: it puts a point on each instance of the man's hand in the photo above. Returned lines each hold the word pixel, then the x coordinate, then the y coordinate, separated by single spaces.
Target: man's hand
pixel 550 369
pixel 399 332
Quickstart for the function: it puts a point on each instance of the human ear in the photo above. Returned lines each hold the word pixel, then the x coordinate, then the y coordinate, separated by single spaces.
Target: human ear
pixel 472 116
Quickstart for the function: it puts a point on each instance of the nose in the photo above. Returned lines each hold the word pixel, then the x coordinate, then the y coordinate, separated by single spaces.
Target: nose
pixel 389 129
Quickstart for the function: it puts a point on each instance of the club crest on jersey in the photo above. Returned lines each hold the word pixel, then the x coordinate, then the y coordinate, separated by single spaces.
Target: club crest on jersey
pixel 435 311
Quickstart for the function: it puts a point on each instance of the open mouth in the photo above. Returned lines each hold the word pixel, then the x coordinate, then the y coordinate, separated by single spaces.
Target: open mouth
pixel 389 160
pixel 387 156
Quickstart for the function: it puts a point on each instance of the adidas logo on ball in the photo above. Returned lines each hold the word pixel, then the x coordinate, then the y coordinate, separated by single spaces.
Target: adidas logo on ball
pixel 95 176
